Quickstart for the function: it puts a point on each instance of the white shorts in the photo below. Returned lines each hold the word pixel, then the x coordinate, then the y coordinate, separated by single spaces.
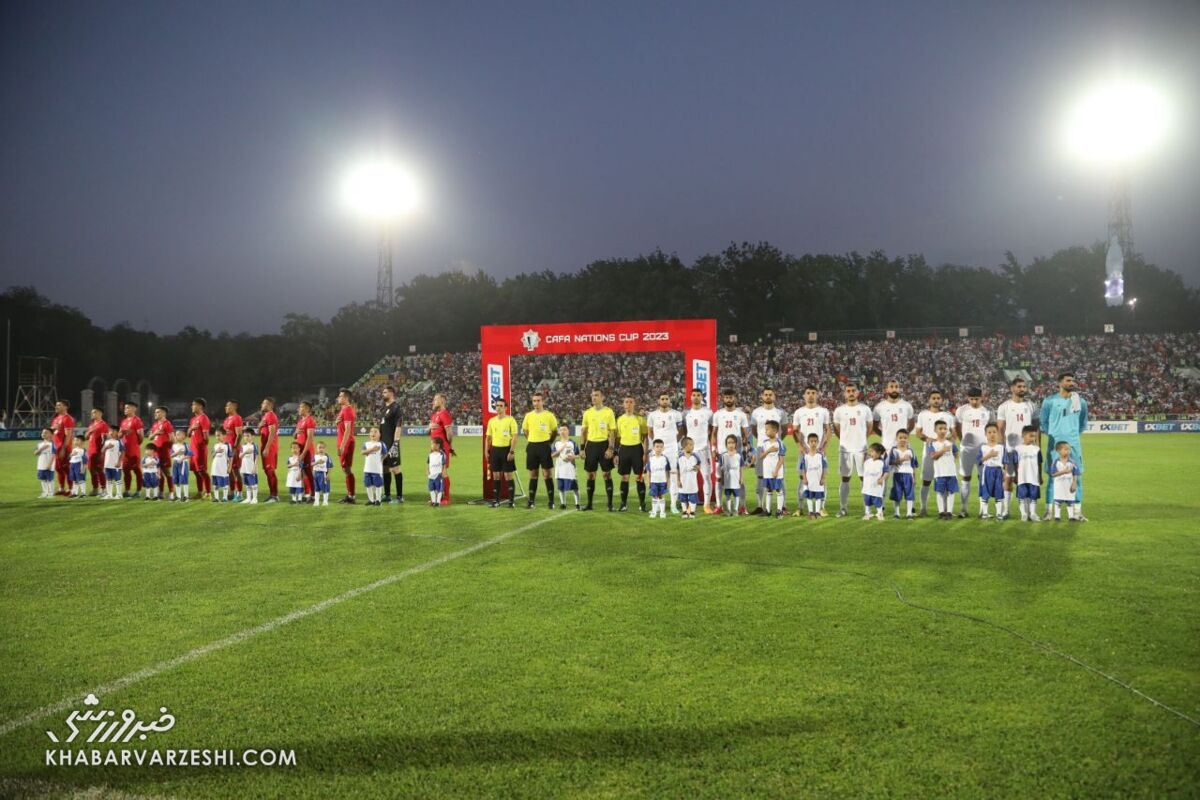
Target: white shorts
pixel 672 454
pixel 926 467
pixel 850 463
pixel 704 462
pixel 968 461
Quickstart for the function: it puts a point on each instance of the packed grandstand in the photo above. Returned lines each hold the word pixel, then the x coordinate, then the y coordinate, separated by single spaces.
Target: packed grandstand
pixel 1123 375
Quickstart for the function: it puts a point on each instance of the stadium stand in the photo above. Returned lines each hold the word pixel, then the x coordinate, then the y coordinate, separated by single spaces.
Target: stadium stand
pixel 1123 376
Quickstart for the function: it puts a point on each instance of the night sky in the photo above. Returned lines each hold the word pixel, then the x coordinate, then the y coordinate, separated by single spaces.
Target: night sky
pixel 148 149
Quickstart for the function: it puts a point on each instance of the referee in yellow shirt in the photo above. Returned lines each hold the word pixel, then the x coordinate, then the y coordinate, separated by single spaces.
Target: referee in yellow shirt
pixel 539 427
pixel 497 442
pixel 599 445
pixel 631 455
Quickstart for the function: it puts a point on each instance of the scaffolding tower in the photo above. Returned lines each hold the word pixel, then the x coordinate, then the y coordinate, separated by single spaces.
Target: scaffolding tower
pixel 37 391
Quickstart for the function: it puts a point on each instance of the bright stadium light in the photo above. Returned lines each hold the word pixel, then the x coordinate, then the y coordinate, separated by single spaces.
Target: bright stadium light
pixel 379 191
pixel 1117 121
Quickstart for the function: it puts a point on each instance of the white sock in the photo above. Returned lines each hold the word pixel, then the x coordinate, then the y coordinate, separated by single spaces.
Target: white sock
pixel 845 494
pixel 812 505
pixel 949 502
pixel 964 491
pixel 924 497
pixel 941 503
pixel 781 501
pixel 820 504
pixel 910 507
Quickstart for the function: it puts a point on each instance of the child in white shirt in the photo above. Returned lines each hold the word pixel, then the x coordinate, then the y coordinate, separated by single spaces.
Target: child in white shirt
pixel 110 455
pixel 688 465
pixel 249 468
pixel 1028 459
pixel 943 453
pixel 813 468
pixel 1065 474
pixel 437 468
pixel 730 475
pixel 320 470
pixel 565 453
pixel 373 467
pixel 219 472
pixel 659 468
pixel 45 463
pixel 873 480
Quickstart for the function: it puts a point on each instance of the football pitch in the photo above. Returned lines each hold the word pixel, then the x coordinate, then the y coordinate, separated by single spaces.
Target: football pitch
pixel 469 652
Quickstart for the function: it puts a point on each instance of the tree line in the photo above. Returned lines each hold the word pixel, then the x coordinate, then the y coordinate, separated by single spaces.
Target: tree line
pixel 752 289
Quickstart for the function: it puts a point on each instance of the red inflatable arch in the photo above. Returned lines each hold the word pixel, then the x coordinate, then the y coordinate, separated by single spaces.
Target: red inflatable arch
pixel 696 338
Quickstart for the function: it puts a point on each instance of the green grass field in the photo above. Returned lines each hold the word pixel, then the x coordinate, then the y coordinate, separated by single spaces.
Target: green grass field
pixel 605 655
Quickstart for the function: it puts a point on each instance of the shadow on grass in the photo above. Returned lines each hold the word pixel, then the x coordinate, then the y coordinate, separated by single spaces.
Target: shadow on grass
pixel 397 751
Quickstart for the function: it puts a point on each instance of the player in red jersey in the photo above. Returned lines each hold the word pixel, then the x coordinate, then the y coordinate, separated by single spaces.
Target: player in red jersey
pixel 131 437
pixel 63 426
pixel 268 429
pixel 305 428
pixel 160 432
pixel 345 441
pixel 96 433
pixel 233 426
pixel 199 428
pixel 440 424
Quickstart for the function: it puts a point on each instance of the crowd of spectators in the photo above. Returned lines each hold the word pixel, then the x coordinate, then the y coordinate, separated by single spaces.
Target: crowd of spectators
pixel 1122 376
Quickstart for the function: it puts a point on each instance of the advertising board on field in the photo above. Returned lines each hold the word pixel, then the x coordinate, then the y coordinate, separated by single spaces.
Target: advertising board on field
pixel 1112 426
pixel 1170 426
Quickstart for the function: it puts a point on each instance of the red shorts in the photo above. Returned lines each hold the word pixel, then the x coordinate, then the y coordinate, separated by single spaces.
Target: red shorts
pixel 235 459
pixel 164 457
pixel 200 458
pixel 270 460
pixel 94 464
pixel 129 460
pixel 346 459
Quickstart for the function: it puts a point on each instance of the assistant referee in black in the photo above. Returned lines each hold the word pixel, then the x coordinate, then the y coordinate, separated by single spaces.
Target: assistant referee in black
pixel 539 427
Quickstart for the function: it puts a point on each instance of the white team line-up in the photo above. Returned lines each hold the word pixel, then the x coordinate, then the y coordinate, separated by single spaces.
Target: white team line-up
pixel 701 451
pixel 16 723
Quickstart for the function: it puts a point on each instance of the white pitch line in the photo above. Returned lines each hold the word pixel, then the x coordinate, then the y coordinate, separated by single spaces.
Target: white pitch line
pixel 249 633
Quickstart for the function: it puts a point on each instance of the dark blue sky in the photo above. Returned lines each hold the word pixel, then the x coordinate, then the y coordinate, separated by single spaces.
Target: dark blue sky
pixel 174 163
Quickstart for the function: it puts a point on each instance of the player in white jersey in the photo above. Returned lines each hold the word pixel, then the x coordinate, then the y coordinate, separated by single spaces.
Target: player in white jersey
pixel 809 419
pixel 852 423
pixel 924 431
pixel 729 420
pixel 759 417
pixel 971 423
pixel 665 423
pixel 893 414
pixel 1012 416
pixel 698 423
pixel 566 478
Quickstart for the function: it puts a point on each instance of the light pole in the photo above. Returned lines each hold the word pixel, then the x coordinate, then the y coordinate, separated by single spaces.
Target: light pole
pixel 381 192
pixel 1116 123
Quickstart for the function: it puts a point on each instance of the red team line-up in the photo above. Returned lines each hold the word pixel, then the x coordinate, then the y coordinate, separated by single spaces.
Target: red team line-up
pixel 1002 446
pixel 145 460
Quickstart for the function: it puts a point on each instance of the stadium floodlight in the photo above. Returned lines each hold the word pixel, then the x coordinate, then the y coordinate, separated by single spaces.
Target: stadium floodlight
pixel 1117 121
pixel 379 191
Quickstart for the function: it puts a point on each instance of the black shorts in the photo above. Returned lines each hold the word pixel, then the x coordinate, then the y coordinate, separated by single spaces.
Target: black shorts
pixel 537 456
pixel 389 460
pixel 629 459
pixel 498 461
pixel 593 456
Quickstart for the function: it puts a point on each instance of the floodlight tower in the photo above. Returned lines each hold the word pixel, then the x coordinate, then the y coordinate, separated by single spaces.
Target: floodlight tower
pixel 384 294
pixel 380 192
pixel 1115 124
